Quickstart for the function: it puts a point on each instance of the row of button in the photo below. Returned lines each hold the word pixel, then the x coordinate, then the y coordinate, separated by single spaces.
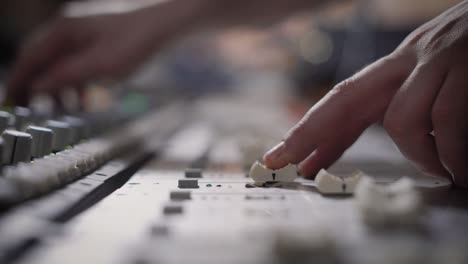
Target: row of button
pixel 191 182
pixel 42 175
pixel 45 173
pixel 36 142
pixel 22 141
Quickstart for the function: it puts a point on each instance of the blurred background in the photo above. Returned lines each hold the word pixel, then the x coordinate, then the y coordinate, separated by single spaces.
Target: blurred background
pixel 304 55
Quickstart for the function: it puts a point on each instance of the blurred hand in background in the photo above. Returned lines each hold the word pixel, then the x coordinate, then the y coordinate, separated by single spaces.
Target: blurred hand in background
pixel 71 51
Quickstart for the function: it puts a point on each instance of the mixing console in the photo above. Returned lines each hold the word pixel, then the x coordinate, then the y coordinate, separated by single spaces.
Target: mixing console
pixel 174 187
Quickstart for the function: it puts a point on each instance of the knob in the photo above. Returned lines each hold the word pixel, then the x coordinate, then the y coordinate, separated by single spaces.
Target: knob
pixel 22 117
pixel 62 134
pixel 78 128
pixel 193 173
pixel 180 195
pixel 2 150
pixel 188 184
pixel 42 139
pixel 5 118
pixel 17 147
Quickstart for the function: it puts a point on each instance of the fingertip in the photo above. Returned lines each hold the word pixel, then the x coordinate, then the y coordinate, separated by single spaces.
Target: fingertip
pixel 276 157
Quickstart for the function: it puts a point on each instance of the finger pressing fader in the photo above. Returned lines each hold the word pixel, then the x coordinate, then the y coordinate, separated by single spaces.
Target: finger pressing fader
pixel 261 174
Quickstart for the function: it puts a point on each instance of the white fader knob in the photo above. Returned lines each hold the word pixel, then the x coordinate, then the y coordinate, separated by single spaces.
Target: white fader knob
pixel 42 140
pixel 22 117
pixel 17 147
pixel 398 203
pixel 261 174
pixel 5 118
pixel 328 183
pixel 62 134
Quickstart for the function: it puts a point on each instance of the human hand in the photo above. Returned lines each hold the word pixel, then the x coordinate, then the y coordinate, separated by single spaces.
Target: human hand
pixel 420 93
pixel 71 51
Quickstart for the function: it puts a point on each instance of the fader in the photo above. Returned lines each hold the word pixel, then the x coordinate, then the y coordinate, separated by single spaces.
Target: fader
pixel 42 139
pixel 261 174
pixel 328 183
pixel 17 147
pixel 62 134
pixel 396 204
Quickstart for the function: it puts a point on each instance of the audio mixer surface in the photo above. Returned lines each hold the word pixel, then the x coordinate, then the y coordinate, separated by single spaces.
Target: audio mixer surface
pixel 173 186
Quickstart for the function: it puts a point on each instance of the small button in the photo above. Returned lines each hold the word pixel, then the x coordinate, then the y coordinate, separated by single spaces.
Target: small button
pixel 193 173
pixel 5 119
pixel 78 128
pixel 42 139
pixel 62 134
pixel 22 117
pixel 180 195
pixel 188 184
pixel 160 230
pixel 173 209
pixel 17 147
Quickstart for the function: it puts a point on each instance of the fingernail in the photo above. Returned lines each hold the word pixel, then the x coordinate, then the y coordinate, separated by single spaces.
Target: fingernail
pixel 275 155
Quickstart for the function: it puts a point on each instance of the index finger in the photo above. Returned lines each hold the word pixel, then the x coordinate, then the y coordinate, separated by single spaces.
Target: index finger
pixel 342 114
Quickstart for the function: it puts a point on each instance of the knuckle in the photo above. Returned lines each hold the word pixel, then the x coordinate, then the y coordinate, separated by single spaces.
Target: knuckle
pixel 346 85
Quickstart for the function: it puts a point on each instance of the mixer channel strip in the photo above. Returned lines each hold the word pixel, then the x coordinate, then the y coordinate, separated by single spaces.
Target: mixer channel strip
pixel 51 190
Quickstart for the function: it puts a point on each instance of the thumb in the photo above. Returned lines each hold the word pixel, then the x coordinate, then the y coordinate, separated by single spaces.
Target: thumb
pixel 338 119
